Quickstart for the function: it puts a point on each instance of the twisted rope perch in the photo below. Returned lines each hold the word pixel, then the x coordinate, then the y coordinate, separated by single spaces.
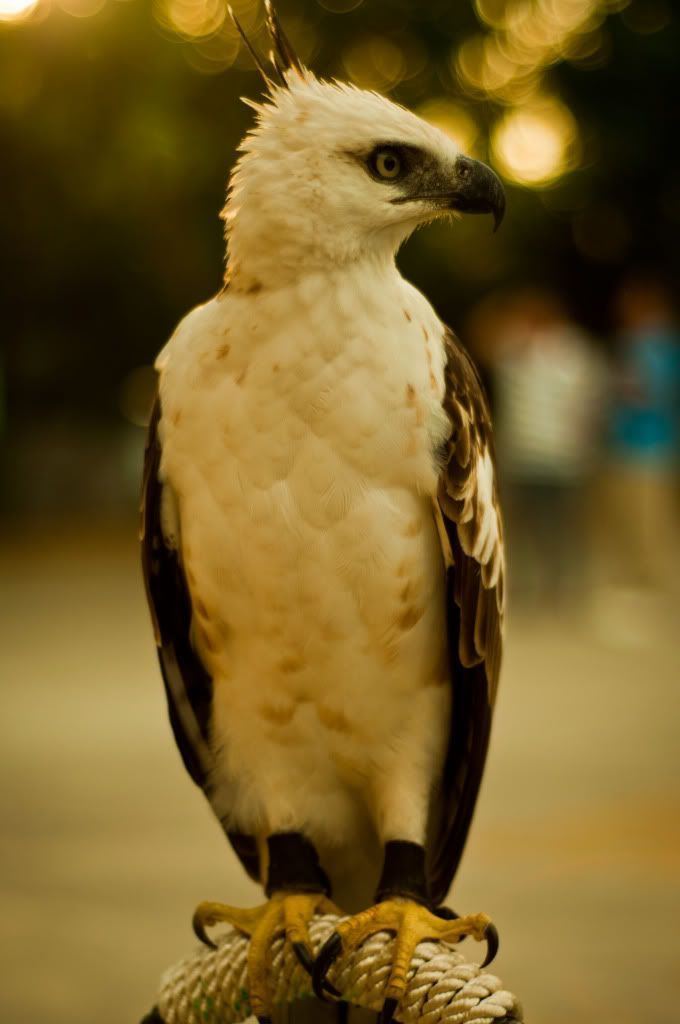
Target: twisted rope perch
pixel 210 987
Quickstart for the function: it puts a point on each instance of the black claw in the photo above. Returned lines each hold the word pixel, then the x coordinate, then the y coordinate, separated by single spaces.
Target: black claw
pixel 388 1010
pixel 202 935
pixel 492 944
pixel 304 955
pixel 329 952
pixel 154 1017
pixel 306 958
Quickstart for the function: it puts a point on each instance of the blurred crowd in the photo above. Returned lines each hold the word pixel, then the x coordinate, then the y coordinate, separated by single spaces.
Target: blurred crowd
pixel 588 440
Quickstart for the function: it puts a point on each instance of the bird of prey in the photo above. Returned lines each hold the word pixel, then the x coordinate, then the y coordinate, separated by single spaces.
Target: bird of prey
pixel 322 542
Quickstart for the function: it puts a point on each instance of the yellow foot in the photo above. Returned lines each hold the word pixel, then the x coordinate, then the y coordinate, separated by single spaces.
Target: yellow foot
pixel 412 923
pixel 287 912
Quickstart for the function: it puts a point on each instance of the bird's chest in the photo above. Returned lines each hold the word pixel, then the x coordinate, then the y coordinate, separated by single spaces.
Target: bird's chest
pixel 302 454
pixel 340 392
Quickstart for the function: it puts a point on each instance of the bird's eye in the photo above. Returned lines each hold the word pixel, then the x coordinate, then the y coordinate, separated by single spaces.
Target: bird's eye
pixel 386 163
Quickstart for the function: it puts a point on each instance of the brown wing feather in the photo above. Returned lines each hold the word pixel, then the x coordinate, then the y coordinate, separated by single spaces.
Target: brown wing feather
pixel 474 606
pixel 188 686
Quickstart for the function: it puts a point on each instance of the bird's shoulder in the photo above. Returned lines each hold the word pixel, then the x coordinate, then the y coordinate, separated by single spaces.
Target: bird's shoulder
pixel 201 324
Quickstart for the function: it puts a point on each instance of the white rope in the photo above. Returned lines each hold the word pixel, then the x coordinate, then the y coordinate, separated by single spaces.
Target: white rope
pixel 210 987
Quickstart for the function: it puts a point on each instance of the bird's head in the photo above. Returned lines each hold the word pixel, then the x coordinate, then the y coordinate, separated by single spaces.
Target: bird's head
pixel 332 173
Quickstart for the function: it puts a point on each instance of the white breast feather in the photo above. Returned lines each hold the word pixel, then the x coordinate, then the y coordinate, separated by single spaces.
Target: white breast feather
pixel 298 430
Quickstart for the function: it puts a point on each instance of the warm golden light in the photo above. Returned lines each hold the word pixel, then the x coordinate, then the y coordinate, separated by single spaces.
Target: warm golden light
pixel 492 12
pixel 193 19
pixel 374 63
pixel 81 8
pixel 16 10
pixel 537 144
pixel 453 119
pixel 469 60
pixel 214 53
pixel 527 36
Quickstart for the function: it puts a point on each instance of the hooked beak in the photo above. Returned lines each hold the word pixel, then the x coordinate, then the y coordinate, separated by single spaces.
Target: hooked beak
pixel 477 189
pixel 470 187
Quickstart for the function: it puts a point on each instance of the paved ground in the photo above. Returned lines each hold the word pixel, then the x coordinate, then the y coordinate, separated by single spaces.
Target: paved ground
pixel 106 846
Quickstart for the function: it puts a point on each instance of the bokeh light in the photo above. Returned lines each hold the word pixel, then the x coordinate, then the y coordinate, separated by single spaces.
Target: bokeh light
pixel 82 8
pixel 192 18
pixel 16 10
pixel 527 37
pixel 535 145
pixel 453 119
pixel 374 62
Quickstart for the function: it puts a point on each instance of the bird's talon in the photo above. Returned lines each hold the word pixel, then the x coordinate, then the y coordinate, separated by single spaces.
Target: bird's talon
pixel 492 944
pixel 304 955
pixel 199 925
pixel 328 953
pixel 306 959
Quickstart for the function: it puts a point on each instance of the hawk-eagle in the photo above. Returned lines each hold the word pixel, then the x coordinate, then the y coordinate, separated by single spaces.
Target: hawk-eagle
pixel 322 543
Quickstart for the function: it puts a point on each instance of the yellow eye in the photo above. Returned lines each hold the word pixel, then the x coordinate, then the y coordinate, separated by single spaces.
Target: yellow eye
pixel 387 164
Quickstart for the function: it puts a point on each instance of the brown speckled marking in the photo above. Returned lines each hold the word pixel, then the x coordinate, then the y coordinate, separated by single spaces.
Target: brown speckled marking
pixel 412 401
pixel 291 663
pixel 428 354
pixel 390 652
pixel 277 714
pixel 407 315
pixel 412 528
pixel 242 376
pixel 254 288
pixel 223 351
pixel 200 608
pixel 425 332
pixel 410 617
pixel 276 367
pixel 176 417
pixel 336 721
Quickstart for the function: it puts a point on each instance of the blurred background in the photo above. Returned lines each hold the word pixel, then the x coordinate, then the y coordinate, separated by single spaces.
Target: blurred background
pixel 118 123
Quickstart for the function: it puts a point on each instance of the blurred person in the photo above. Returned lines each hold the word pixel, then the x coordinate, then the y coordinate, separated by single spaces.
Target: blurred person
pixel 639 508
pixel 548 382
